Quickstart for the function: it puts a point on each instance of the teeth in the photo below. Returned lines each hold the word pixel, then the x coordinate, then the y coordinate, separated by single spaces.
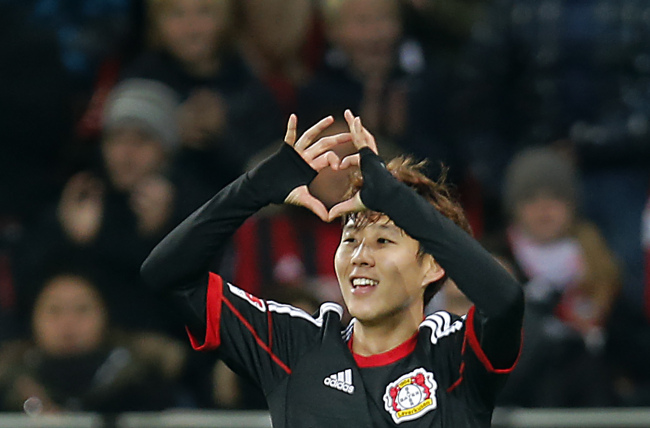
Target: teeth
pixel 357 282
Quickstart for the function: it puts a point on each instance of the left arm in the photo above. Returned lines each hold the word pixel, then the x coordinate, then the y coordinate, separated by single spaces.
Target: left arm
pixel 494 327
pixel 498 297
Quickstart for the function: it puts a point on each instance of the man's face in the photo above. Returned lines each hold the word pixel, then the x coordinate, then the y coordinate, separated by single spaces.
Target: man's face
pixel 130 156
pixel 380 273
pixel 368 31
pixel 69 317
pixel 192 29
pixel 544 217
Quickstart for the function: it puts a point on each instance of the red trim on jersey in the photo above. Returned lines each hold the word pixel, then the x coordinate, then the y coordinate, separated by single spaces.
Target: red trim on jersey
pixel 385 358
pixel 269 319
pixel 259 341
pixel 461 369
pixel 470 335
pixel 212 338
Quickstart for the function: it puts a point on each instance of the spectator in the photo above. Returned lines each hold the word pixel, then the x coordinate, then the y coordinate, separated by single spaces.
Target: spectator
pixel 282 60
pixel 77 362
pixel 372 68
pixel 570 278
pixel 570 70
pixel 190 50
pixel 111 218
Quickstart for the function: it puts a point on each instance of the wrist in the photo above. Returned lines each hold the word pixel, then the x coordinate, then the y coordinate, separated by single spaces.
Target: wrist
pixel 280 173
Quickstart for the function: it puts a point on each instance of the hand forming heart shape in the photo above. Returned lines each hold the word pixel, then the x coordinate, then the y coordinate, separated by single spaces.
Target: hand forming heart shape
pixel 319 156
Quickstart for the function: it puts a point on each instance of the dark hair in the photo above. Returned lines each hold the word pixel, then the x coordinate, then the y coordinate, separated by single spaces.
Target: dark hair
pixel 67 269
pixel 438 193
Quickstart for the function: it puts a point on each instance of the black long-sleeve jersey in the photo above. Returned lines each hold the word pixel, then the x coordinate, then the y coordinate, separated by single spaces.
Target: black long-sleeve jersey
pixel 446 375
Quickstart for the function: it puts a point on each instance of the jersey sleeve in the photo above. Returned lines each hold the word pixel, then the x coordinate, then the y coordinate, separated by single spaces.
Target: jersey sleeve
pixel 471 374
pixel 260 339
pixel 478 379
pixel 179 265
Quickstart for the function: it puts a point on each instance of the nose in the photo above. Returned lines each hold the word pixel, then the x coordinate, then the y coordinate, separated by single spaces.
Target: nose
pixel 362 255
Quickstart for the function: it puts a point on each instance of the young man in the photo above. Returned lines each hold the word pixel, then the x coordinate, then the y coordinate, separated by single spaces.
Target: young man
pixel 391 365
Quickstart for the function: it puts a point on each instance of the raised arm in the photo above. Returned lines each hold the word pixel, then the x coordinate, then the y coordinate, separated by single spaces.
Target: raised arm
pixel 179 264
pixel 496 294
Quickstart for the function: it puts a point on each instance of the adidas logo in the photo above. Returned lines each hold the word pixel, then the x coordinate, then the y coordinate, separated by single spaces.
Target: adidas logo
pixel 341 381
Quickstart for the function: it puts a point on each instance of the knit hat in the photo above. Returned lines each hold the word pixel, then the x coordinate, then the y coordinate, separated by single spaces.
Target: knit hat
pixel 146 104
pixel 539 169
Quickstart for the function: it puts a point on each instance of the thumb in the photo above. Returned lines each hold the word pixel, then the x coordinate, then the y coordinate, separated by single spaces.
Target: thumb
pixel 316 206
pixel 353 204
pixel 350 160
pixel 292 125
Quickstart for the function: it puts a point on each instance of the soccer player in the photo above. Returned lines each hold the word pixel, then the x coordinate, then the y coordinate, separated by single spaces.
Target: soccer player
pixel 402 237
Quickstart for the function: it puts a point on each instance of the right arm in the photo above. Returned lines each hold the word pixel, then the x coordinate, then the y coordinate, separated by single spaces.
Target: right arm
pixel 179 264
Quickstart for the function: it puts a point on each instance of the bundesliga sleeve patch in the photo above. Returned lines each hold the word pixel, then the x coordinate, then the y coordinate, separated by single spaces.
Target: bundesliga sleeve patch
pixel 256 302
pixel 411 396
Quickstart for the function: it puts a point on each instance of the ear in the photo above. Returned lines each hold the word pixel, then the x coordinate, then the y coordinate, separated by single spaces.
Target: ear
pixel 433 270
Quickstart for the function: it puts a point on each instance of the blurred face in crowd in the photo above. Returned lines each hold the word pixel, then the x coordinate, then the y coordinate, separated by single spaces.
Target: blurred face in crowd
pixel 368 31
pixel 130 155
pixel 544 217
pixel 192 30
pixel 69 317
pixel 278 27
pixel 381 273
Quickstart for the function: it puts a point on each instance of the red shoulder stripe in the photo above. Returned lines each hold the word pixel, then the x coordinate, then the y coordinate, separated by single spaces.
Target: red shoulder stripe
pixel 470 334
pixel 259 341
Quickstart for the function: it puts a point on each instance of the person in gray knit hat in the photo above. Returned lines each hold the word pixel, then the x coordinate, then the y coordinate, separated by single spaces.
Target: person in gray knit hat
pixel 145 104
pixel 540 170
pixel 110 214
pixel 570 280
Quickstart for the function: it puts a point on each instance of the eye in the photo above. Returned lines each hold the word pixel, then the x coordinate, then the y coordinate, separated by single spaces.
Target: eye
pixel 384 241
pixel 349 240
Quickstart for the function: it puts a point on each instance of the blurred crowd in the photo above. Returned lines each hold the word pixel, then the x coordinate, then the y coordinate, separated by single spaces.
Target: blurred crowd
pixel 118 118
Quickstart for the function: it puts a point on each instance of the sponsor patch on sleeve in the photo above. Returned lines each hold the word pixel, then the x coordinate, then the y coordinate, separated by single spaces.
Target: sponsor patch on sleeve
pixel 255 301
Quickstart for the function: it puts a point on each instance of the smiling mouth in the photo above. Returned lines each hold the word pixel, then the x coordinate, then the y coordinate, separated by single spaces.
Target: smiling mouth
pixel 363 282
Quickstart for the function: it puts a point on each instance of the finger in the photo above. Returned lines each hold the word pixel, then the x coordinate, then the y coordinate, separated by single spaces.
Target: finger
pixel 353 204
pixel 340 209
pixel 330 159
pixel 315 206
pixel 292 126
pixel 349 117
pixel 309 135
pixel 351 160
pixel 324 144
pixel 358 136
pixel 364 137
pixel 370 140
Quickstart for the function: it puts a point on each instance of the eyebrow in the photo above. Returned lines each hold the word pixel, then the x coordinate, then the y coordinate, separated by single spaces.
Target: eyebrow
pixel 384 227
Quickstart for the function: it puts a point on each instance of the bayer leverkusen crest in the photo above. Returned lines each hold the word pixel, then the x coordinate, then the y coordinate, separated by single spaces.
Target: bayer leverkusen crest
pixel 411 396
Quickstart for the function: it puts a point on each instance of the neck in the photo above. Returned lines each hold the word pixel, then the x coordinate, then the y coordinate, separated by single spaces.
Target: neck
pixel 204 68
pixel 458 305
pixel 265 66
pixel 372 338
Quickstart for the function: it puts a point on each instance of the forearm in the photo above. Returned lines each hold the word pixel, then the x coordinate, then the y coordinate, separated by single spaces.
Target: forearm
pixel 185 254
